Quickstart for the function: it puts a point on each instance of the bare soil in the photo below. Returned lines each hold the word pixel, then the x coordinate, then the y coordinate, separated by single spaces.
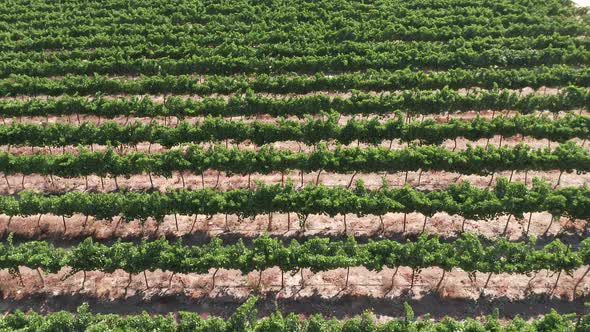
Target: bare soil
pixel 161 97
pixel 343 307
pixel 508 292
pixel 213 179
pixel 442 117
pixel 200 228
pixel 146 147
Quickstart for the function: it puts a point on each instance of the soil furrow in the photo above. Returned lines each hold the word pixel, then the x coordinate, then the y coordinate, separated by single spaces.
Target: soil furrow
pixel 199 229
pixel 323 292
pixel 429 180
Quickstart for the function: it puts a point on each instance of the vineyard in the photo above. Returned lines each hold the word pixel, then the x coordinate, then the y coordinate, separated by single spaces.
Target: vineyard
pixel 417 165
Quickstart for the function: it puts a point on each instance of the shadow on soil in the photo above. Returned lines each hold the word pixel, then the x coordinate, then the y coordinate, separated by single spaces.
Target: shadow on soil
pixel 340 307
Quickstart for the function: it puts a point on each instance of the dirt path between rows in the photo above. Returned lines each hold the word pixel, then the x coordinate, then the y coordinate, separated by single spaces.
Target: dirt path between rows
pixel 324 292
pixel 544 90
pixel 173 121
pixel 199 229
pixel 458 144
pixel 431 180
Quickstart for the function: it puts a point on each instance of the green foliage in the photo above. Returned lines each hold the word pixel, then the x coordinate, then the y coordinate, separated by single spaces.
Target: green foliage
pixel 461 199
pixel 244 319
pixel 317 254
pixel 196 159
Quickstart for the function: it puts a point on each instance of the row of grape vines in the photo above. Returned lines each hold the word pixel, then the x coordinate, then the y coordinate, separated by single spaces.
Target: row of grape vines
pixel 244 319
pixel 266 160
pixel 310 132
pixel 317 254
pixel 370 80
pixel 464 199
pixel 213 63
pixel 187 48
pixel 414 102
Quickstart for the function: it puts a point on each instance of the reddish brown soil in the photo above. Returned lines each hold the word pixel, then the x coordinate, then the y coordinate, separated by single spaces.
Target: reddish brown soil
pixel 146 147
pixel 329 286
pixel 161 98
pixel 428 180
pixel 172 121
pixel 78 226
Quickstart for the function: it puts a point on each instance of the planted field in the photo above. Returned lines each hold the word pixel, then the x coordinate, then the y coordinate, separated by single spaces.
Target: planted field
pixel 406 159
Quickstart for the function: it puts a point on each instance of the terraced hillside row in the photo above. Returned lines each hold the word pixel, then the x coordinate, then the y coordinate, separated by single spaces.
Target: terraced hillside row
pixel 353 153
